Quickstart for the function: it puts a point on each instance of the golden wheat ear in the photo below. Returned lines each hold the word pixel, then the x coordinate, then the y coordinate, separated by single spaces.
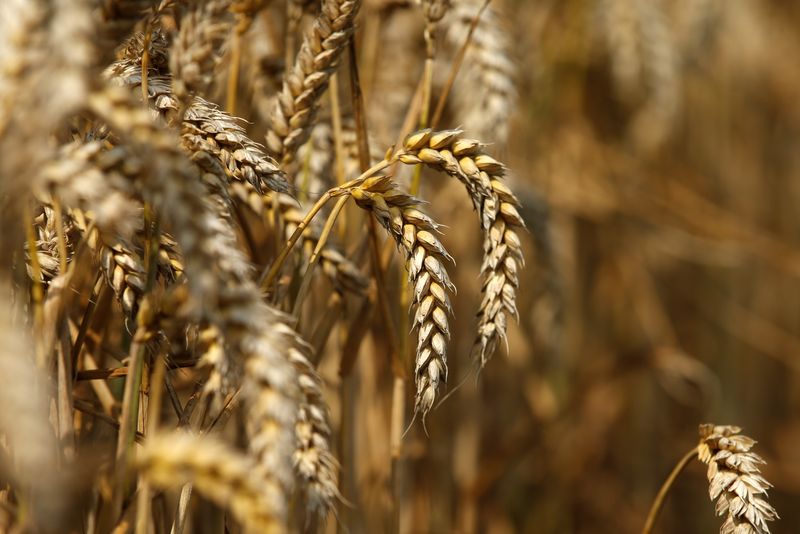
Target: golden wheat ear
pixel 415 234
pixel 735 481
pixel 499 218
pixel 295 109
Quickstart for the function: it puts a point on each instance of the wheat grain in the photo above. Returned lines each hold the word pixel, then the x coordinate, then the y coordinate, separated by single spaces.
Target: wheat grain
pixel 414 233
pixel 735 480
pixel 497 206
pixel 221 474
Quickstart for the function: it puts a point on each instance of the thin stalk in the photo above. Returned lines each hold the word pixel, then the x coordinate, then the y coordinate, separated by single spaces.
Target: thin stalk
pixel 363 158
pixel 268 276
pixel 658 503
pixel 62 239
pixel 312 262
pixel 448 86
pixel 88 315
pixel 338 143
pixel 233 73
pixel 37 291
pixel 146 65
pixel 143 497
pixel 130 401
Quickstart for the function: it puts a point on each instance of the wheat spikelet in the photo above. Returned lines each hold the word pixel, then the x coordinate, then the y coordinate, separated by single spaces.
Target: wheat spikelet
pixel 735 480
pixel 315 464
pixel 296 107
pixel 485 96
pixel 221 474
pixel 414 233
pixel 497 206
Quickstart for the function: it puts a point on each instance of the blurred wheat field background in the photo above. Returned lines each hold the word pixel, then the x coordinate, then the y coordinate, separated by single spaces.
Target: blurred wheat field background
pixel 399 266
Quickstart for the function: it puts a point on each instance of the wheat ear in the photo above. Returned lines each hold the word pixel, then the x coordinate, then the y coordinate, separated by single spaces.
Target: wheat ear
pixel 735 480
pixel 221 474
pixel 497 207
pixel 296 106
pixel 414 233
pixel 204 126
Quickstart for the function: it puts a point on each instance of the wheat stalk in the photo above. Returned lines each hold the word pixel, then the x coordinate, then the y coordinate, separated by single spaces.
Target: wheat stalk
pixel 735 480
pixel 497 206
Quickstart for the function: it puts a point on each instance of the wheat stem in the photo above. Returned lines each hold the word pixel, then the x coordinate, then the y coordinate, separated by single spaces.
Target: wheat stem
pixel 312 261
pixel 267 278
pixel 658 503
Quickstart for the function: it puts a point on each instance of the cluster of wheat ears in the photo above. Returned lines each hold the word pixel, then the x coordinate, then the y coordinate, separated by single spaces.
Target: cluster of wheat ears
pixel 148 232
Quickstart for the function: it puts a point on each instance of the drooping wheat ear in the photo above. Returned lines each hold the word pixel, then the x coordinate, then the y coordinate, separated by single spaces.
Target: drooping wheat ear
pixel 497 206
pixel 219 473
pixel 219 281
pixel 414 233
pixel 735 480
pixel 316 466
pixel 486 95
pixel 303 85
pixel 206 128
pixel 196 50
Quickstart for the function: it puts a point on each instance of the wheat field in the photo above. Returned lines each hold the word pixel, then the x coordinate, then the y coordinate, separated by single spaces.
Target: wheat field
pixel 414 266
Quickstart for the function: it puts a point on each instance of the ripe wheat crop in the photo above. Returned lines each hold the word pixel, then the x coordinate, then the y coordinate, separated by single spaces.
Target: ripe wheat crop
pixel 243 290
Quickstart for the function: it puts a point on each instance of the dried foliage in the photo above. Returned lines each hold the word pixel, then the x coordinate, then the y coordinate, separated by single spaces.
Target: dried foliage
pixel 205 326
